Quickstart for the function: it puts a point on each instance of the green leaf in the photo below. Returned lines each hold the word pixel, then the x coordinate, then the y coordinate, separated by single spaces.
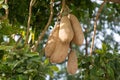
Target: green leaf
pixel 88 59
pixel 17 63
pixel 99 51
pixel 5 6
pixel 0 25
pixel 110 72
pixel 54 68
pixel 1 1
pixel 46 62
pixel 5 68
pixel 33 54
pixel 100 72
pixel 104 48
pixel 97 61
pixel 30 71
pixel 102 63
pixel 109 56
pixel 93 71
pixel 3 47
pixel 51 74
pixel 35 59
pixel 20 77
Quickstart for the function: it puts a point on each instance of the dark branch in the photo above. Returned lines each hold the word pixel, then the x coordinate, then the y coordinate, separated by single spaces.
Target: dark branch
pixel 46 27
pixel 6 10
pixel 95 26
pixel 29 19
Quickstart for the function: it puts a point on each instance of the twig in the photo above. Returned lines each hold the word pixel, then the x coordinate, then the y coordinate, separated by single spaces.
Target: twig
pixel 29 18
pixel 6 10
pixel 62 9
pixel 95 25
pixel 19 39
pixel 46 27
pixel 86 42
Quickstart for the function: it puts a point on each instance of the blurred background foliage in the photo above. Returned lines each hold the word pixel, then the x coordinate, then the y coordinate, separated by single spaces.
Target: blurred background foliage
pixel 18 62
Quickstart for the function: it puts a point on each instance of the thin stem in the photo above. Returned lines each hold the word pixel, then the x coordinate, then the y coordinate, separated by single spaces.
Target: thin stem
pixel 86 42
pixel 46 27
pixel 19 39
pixel 95 25
pixel 62 9
pixel 6 10
pixel 29 19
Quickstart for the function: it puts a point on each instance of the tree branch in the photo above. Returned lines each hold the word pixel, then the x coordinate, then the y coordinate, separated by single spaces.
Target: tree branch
pixel 86 42
pixel 6 10
pixel 62 9
pixel 29 19
pixel 95 25
pixel 46 27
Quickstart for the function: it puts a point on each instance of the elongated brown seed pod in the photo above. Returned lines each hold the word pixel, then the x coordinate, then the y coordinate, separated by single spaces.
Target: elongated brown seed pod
pixel 51 43
pixel 77 29
pixel 60 53
pixel 72 65
pixel 65 32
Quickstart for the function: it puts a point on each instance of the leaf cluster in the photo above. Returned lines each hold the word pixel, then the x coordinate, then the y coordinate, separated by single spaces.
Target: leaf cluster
pixel 103 65
pixel 17 61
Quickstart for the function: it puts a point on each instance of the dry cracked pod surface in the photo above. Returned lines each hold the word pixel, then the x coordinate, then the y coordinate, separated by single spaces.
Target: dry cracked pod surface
pixel 51 43
pixel 72 65
pixel 77 29
pixel 57 47
pixel 65 32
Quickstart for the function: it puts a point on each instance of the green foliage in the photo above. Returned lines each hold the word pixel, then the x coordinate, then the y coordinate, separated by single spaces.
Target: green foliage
pixel 8 29
pixel 19 62
pixel 23 65
pixel 2 5
pixel 103 65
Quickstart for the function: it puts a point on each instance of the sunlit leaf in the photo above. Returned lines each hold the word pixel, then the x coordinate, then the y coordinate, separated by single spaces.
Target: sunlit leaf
pixel 46 62
pixel 3 47
pixel 31 54
pixel 104 48
pixel 5 6
pixel 33 37
pixel 99 51
pixel 4 58
pixel 54 68
pixel 1 1
pixel 29 71
pixel 51 74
